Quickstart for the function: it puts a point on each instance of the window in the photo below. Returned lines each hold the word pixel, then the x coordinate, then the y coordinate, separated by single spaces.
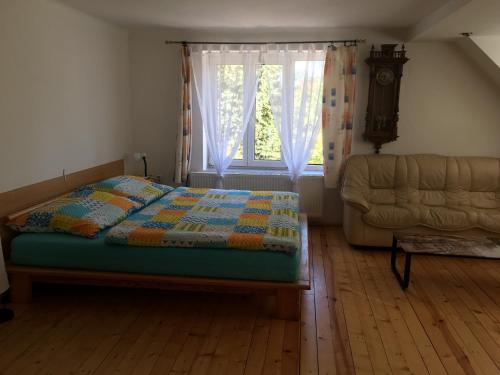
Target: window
pixel 261 145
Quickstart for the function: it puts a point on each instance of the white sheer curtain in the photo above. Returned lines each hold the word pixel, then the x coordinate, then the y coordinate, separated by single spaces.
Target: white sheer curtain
pixel 296 98
pixel 226 82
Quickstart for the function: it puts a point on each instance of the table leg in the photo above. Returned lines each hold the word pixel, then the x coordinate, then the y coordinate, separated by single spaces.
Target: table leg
pixel 403 281
pixel 406 280
pixel 394 252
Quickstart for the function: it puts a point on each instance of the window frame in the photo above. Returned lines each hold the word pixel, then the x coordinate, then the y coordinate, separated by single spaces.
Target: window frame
pixel 248 161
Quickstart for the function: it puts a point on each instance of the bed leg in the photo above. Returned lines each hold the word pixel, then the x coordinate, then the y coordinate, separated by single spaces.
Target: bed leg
pixel 20 288
pixel 288 304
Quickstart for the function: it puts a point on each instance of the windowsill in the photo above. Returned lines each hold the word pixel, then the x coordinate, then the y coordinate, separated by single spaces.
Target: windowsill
pixel 267 172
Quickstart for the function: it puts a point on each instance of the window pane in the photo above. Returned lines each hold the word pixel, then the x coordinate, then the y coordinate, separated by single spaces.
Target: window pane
pixel 312 73
pixel 238 156
pixel 239 153
pixel 267 142
pixel 317 153
pixel 230 104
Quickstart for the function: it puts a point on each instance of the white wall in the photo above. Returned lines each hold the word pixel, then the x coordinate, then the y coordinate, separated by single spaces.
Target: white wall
pixel 447 106
pixel 155 69
pixel 65 91
pixel 77 92
pixel 155 81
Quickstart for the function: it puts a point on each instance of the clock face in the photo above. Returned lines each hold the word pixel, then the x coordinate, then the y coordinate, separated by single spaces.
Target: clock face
pixel 385 76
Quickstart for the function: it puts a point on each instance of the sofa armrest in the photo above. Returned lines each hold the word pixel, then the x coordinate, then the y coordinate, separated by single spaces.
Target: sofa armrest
pixel 355 199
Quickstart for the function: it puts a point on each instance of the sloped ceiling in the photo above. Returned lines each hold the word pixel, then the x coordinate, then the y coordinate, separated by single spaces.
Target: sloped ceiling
pixel 479 17
pixel 482 59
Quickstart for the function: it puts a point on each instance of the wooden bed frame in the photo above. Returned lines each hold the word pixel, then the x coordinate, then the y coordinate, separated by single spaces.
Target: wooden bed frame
pixel 288 294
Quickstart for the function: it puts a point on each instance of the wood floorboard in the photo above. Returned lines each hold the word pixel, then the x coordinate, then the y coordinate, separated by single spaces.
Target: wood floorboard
pixel 308 341
pixel 402 343
pixel 258 347
pixel 343 355
pixel 326 361
pixel 401 302
pixel 479 332
pixel 355 320
pixel 457 327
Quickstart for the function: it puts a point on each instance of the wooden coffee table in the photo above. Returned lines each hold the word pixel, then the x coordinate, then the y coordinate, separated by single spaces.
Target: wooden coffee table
pixel 415 244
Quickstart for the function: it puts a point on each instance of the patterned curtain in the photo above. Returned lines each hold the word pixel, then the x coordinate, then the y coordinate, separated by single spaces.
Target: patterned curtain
pixel 339 88
pixel 183 156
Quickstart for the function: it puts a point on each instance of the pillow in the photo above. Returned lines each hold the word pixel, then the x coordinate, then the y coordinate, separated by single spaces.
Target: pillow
pixel 134 188
pixel 83 213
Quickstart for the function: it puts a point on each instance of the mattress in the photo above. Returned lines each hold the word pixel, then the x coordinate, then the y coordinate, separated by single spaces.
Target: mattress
pixel 60 250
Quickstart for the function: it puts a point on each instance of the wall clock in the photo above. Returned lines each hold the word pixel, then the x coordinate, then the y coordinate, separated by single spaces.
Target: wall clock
pixel 382 115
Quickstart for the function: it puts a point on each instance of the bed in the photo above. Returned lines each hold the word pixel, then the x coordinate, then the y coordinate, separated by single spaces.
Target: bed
pixel 62 258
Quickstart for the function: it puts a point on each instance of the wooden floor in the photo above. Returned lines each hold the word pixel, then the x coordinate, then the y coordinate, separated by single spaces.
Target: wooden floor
pixel 355 320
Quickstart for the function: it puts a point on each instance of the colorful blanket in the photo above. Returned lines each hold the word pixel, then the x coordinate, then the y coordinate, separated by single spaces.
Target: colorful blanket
pixel 82 213
pixel 135 188
pixel 236 219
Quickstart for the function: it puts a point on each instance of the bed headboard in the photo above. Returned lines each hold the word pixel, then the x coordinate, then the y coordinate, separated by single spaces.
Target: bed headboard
pixel 28 196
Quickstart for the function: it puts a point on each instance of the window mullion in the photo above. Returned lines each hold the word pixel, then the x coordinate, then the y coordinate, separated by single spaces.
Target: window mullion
pixel 289 67
pixel 251 139
pixel 251 126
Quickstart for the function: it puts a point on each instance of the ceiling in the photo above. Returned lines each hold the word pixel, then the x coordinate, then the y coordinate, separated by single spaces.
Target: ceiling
pixel 242 14
pixel 479 17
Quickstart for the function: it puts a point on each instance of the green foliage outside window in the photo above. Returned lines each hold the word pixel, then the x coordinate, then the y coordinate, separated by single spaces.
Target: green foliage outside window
pixel 230 90
pixel 267 140
pixel 267 145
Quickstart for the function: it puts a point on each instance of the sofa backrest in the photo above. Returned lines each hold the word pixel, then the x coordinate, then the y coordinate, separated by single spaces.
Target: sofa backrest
pixel 432 180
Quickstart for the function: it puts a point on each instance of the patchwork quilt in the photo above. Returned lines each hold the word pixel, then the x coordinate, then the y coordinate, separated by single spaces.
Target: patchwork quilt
pixel 215 218
pixel 135 188
pixel 82 213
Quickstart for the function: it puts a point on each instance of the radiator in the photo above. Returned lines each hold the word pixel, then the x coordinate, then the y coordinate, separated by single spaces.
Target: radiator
pixel 310 187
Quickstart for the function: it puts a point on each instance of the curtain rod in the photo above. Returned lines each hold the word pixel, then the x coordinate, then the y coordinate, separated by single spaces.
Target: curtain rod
pixel 345 41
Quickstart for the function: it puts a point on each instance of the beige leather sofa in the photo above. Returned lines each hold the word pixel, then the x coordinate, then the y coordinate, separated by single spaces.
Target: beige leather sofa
pixel 419 193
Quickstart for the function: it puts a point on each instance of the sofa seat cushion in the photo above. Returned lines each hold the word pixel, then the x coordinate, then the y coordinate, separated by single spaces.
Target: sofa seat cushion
pixel 489 220
pixel 390 216
pixel 435 217
pixel 482 199
pixel 445 218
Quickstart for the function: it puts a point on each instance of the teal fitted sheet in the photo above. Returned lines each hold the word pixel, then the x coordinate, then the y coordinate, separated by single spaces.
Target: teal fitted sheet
pixel 67 251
